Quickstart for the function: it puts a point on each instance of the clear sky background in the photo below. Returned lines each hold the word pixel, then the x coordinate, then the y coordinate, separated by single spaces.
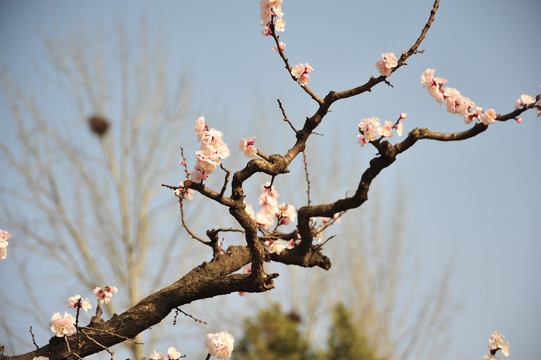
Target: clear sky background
pixel 477 201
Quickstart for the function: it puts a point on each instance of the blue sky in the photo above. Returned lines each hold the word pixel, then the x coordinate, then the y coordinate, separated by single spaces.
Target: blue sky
pixel 478 200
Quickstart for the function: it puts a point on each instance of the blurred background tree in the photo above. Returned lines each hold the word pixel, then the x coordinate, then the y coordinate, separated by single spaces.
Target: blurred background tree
pixel 85 191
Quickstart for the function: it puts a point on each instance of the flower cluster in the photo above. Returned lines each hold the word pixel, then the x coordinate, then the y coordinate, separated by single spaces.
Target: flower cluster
pixel 184 192
pixel 271 13
pixel 386 65
pixel 270 210
pixel 78 302
pixel 172 353
pixel 300 72
pixel 497 342
pixel 371 129
pixel 454 101
pixel 62 325
pixel 220 344
pixel 213 149
pixel 246 145
pixel 105 295
pixel 4 237
pixel 525 100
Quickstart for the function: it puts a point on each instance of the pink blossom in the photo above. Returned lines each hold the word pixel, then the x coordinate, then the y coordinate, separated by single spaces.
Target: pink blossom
pixel 387 64
pixel 427 78
pixel 386 129
pixel 274 246
pixel 184 192
pixel 497 342
pixel 220 344
pixel 264 219
pixel 200 128
pixel 4 237
pixel 361 140
pixel 369 128
pixel 269 9
pixel 300 72
pixel 286 214
pixel 247 269
pixel 282 47
pixel 402 116
pixel 173 354
pixel 77 302
pixel 212 150
pixel 198 175
pixel 524 100
pixel 157 356
pixel 62 325
pixel 488 117
pixel 518 120
pixel 105 295
pixel 399 128
pixel 247 146
pixel 250 211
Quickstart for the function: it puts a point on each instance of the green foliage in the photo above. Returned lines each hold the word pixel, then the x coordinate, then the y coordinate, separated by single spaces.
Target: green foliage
pixel 274 334
pixel 345 342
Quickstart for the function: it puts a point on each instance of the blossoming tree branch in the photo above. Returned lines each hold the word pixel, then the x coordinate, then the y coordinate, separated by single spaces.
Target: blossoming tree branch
pixel 262 230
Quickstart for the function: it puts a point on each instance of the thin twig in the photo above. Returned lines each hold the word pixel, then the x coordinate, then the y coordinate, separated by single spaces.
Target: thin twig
pixel 184 163
pixel 33 339
pixel 307 176
pixel 185 226
pixel 99 344
pixel 177 310
pixel 285 116
pixel 226 180
pixel 286 62
pixel 113 334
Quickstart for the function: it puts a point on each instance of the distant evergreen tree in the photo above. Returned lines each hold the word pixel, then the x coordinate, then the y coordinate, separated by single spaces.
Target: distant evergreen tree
pixel 273 335
pixel 344 341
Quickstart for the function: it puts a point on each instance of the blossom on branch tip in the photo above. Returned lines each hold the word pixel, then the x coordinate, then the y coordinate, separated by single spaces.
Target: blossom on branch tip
pixel 78 302
pixel 386 65
pixel 270 12
pixel 212 150
pixel 62 325
pixel 220 344
pixel 4 237
pixel 497 342
pixel 105 295
pixel 300 72
pixel 246 145
pixel 524 100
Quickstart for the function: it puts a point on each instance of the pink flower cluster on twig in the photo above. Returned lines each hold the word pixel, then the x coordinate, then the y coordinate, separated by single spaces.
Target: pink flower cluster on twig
pixel 454 101
pixel 212 151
